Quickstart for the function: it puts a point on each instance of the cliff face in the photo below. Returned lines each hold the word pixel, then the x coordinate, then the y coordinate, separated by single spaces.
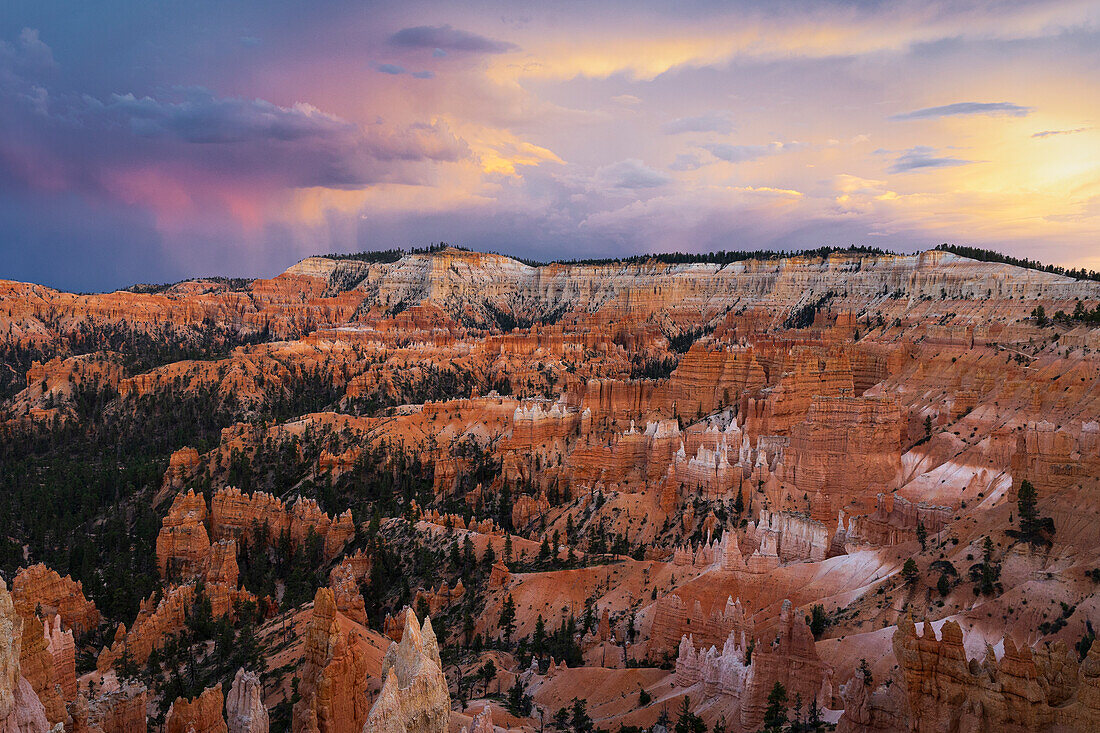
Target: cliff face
pixel 787 657
pixel 183 546
pixel 318 293
pixel 845 446
pixel 157 620
pixel 37 664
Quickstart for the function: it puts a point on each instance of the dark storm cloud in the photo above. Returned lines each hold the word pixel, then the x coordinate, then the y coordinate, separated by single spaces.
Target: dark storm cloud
pixel 77 142
pixel 446 38
pixel 966 108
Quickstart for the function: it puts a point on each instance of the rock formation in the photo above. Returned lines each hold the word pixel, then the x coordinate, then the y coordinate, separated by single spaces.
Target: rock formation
pixel 787 657
pixel 38 665
pixel 1041 689
pixel 244 708
pixel 333 675
pixel 183 546
pixel 414 696
pixel 674 618
pixel 156 620
pixel 62 649
pixel 790 658
pixel 20 709
pixel 118 711
pixel 202 714
pixel 42 588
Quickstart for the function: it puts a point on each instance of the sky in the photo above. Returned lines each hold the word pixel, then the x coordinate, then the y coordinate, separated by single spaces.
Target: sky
pixel 150 141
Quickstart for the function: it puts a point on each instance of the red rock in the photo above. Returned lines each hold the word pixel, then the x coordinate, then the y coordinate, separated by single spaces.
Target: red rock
pixel 40 587
pixel 63 651
pixel 119 711
pixel 20 708
pixel 183 546
pixel 202 714
pixel 333 675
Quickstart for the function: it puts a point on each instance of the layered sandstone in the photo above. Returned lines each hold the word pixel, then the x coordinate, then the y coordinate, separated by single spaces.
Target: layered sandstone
pixel 235 514
pixel 159 619
pixel 37 663
pixel 1040 689
pixel 788 657
pixel 62 650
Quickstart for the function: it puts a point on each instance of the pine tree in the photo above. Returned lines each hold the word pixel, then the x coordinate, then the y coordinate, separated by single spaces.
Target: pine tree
pixel 508 617
pixel 775 715
pixel 689 722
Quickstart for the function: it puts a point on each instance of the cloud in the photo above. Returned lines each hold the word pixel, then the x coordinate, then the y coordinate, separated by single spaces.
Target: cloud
pixel 396 70
pixel 966 108
pixel 1049 133
pixel 922 157
pixel 631 173
pixel 196 149
pixel 686 162
pixel 741 153
pixel 717 121
pixel 29 50
pixel 203 118
pixel 438 53
pixel 445 38
pixel 626 99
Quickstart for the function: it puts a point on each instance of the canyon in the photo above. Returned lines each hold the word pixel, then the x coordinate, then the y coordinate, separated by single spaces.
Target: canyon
pixel 457 491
